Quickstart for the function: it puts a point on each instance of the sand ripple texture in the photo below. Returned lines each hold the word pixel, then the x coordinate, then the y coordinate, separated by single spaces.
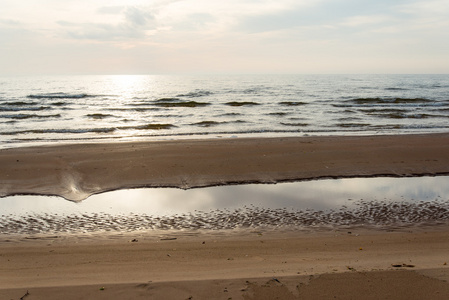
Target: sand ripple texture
pixel 380 214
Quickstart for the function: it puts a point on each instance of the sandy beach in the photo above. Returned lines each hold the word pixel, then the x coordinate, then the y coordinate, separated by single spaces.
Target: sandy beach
pixel 249 265
pixel 77 171
pixel 342 263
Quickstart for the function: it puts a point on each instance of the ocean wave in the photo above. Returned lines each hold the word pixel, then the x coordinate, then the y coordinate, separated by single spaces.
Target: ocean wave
pixel 230 132
pixel 295 124
pixel 170 99
pixel 174 103
pixel 19 108
pixel 238 121
pixel 144 103
pixel 292 103
pixel 255 90
pixel 395 89
pixel 352 125
pixel 278 114
pixel 400 114
pixel 24 105
pixel 171 116
pixel 346 119
pixel 87 130
pixel 383 110
pixel 387 127
pixel 20 103
pixel 154 126
pixel 410 116
pixel 59 96
pixel 309 129
pixel 370 101
pixel 62 130
pixel 206 123
pixel 169 102
pixel 247 91
pixel 140 109
pixel 99 116
pixel 408 127
pixel 60 103
pixel 242 103
pixel 229 114
pixel 196 94
pixel 29 116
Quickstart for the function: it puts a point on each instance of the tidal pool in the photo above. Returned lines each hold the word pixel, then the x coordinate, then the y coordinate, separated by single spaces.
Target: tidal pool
pixel 357 201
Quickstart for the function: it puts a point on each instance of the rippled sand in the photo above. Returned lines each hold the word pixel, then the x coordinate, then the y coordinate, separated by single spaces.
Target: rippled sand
pixel 379 214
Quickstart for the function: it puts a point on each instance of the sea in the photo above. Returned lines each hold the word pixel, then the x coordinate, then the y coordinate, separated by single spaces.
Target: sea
pixel 37 110
pixel 46 110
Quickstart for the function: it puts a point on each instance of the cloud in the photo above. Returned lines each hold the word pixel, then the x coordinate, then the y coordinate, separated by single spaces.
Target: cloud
pixel 9 22
pixel 242 35
pixel 13 33
pixel 357 21
pixel 430 16
pixel 137 17
pixel 196 22
pixel 134 24
pixel 102 32
pixel 430 8
pixel 110 10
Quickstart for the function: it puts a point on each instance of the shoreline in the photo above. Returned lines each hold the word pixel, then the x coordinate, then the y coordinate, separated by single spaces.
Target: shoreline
pixel 77 171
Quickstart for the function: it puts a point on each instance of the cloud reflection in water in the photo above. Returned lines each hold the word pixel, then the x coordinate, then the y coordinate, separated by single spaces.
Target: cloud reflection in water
pixel 315 195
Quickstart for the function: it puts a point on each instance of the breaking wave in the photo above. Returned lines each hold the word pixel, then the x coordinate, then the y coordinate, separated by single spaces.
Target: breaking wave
pixel 59 96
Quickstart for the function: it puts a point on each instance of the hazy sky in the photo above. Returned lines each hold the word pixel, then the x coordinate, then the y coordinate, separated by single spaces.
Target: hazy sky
pixel 226 36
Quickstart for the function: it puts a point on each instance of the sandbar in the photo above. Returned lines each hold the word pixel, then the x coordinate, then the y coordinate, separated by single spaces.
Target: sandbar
pixel 80 170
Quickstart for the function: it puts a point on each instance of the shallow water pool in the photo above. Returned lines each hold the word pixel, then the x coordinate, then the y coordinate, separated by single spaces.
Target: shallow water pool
pixel 334 202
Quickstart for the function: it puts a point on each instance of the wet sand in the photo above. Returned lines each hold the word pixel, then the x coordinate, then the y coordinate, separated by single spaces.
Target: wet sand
pixel 367 214
pixel 351 263
pixel 77 171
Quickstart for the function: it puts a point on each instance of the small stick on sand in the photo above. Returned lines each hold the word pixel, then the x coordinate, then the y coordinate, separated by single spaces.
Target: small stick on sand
pixel 27 294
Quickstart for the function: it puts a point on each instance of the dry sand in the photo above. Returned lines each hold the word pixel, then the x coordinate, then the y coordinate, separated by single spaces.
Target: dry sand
pixel 342 264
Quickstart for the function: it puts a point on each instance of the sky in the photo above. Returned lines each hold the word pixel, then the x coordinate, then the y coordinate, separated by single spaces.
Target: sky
pixel 226 36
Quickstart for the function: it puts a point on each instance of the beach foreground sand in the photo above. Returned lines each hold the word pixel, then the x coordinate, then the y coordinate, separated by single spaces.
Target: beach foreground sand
pixel 342 263
pixel 77 171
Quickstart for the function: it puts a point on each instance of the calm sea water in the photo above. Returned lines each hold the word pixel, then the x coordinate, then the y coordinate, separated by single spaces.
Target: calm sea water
pixel 39 110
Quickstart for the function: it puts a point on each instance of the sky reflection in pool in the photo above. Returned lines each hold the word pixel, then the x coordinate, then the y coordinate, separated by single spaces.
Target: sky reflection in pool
pixel 315 195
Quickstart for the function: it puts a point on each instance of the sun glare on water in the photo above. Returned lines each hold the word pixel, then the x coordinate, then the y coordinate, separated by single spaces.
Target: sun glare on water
pixel 129 83
pixel 138 92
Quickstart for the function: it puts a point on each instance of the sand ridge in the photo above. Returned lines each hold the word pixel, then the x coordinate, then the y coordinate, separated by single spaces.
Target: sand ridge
pixel 77 171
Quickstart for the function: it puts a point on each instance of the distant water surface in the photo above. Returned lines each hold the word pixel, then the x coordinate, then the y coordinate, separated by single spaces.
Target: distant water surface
pixel 41 110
